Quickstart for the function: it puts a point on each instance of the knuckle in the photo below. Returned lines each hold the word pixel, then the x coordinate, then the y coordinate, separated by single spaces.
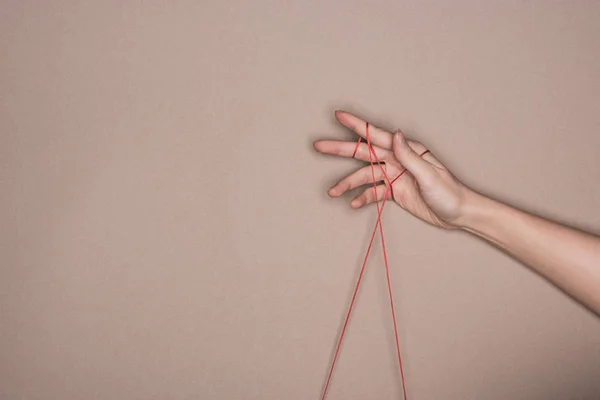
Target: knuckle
pixel 417 147
pixel 366 175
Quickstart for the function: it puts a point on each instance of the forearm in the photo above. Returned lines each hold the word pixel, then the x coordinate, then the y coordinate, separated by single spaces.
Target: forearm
pixel 568 258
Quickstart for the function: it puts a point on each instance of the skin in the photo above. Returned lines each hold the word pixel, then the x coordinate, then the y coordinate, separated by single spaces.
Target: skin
pixel 566 257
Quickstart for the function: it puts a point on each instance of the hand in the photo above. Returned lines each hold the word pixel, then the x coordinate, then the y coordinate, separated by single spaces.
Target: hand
pixel 426 189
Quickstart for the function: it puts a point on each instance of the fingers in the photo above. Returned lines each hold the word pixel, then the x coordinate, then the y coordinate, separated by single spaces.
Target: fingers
pixel 410 159
pixel 346 149
pixel 359 178
pixel 371 195
pixel 378 136
pixel 420 149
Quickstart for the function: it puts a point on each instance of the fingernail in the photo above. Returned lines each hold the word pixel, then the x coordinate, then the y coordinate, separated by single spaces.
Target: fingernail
pixel 399 136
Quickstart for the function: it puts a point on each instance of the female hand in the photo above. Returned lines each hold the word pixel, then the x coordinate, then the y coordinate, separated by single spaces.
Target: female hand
pixel 426 189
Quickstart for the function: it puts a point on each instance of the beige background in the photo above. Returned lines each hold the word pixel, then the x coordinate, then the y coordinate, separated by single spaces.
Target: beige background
pixel 166 232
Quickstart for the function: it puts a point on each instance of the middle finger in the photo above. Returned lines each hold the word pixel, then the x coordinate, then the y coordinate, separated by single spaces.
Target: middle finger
pixel 346 149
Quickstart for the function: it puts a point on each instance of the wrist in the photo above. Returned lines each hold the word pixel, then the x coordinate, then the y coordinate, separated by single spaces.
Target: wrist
pixel 477 211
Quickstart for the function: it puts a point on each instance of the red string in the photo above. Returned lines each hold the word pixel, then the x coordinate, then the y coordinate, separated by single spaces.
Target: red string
pixel 379 225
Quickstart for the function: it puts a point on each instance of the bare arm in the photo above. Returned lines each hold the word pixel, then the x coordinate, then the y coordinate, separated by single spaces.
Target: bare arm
pixel 568 258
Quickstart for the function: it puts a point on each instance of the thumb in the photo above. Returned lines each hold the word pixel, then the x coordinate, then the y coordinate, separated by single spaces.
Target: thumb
pixel 418 167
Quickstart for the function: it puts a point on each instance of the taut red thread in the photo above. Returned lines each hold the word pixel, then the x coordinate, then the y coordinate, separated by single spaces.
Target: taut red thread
pixel 379 225
pixel 356 148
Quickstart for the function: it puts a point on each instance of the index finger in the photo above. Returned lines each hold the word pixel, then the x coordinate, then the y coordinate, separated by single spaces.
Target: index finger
pixel 378 136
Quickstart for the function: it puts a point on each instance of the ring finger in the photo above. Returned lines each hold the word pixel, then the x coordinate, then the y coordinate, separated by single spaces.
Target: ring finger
pixel 358 178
